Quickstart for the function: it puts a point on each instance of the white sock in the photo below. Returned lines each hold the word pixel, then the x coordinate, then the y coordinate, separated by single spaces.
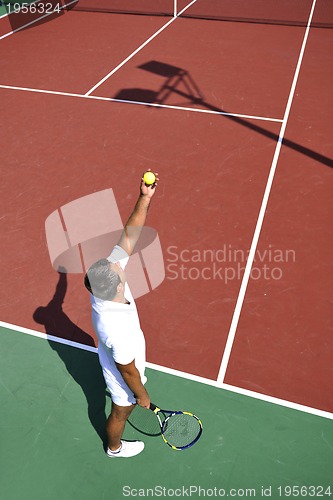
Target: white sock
pixel 115 451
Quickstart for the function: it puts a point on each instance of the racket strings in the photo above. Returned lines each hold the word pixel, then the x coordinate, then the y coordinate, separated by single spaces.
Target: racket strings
pixel 181 430
pixel 145 421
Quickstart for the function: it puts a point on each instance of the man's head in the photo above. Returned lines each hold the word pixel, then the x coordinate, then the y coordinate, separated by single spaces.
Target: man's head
pixel 105 279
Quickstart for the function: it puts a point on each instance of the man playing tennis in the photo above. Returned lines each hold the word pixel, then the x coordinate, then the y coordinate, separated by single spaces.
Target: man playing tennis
pixel 121 343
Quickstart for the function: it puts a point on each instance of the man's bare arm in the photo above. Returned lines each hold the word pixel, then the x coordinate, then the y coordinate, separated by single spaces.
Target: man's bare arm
pixel 131 375
pixel 137 219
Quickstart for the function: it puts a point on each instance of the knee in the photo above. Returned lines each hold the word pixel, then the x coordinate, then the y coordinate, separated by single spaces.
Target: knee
pixel 120 412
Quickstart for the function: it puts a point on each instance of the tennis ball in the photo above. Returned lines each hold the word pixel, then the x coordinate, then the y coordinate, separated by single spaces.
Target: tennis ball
pixel 149 178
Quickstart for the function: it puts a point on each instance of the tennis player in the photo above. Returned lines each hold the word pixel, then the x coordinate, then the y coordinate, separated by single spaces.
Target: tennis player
pixel 121 343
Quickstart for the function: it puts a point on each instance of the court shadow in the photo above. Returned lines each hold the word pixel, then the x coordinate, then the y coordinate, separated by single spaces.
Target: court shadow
pixel 178 81
pixel 83 366
pixel 137 95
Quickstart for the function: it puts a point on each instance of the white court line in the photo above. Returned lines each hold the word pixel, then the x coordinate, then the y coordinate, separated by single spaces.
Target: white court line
pixel 144 44
pixel 178 373
pixel 35 20
pixel 154 105
pixel 256 235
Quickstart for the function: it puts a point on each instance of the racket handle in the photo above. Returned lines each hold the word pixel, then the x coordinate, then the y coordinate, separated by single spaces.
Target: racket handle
pixel 152 406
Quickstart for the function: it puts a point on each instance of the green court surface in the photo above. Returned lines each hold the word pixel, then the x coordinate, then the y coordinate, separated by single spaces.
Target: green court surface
pixel 52 419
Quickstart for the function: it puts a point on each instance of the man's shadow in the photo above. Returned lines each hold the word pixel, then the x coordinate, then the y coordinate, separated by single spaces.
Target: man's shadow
pixel 82 365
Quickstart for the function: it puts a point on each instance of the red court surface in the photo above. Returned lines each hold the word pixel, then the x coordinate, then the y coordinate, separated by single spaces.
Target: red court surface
pixel 299 217
pixel 213 169
pixel 260 76
pixel 72 51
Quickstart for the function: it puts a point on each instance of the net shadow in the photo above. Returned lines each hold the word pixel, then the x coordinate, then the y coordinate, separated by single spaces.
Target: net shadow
pixel 284 13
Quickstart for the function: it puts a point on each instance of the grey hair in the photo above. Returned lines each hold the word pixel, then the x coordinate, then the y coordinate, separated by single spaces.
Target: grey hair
pixel 101 280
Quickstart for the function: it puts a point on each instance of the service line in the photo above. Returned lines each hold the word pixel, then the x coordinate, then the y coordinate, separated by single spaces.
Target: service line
pixel 139 103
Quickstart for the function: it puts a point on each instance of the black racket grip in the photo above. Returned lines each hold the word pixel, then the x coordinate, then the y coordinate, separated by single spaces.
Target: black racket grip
pixel 152 406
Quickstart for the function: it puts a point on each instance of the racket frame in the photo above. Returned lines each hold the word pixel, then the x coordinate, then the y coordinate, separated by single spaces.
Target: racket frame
pixel 169 414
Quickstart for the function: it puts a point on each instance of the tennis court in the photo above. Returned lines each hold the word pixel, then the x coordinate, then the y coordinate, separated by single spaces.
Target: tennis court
pixel 231 103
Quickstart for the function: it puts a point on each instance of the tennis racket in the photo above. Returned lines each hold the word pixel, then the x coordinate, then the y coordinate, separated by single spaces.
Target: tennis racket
pixel 179 429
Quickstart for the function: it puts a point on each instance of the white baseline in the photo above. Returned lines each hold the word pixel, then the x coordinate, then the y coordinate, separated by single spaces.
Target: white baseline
pixel 178 373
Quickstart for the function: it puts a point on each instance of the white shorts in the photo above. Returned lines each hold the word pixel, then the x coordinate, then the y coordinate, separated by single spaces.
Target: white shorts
pixel 121 394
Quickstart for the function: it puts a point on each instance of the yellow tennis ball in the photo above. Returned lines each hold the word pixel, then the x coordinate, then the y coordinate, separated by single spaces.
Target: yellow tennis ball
pixel 149 178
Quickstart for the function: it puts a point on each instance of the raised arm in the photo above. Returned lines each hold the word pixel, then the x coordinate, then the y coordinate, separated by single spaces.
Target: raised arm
pixel 137 219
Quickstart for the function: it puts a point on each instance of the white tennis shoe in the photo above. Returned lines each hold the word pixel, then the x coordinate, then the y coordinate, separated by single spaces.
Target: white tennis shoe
pixel 127 449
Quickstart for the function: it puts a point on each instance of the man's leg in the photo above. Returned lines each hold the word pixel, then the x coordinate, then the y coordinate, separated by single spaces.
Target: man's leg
pixel 116 423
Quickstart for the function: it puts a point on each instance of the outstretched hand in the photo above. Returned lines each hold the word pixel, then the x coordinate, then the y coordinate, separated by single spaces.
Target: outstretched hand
pixel 148 190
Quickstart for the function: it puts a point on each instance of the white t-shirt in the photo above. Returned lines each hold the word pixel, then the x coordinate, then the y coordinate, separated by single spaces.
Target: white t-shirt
pixel 120 338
